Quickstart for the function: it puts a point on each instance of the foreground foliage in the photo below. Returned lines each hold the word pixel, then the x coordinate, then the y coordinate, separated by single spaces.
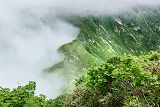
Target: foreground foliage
pixel 126 81
pixel 22 96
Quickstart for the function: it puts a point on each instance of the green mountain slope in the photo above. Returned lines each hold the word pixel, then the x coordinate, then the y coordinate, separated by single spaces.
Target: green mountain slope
pixel 103 37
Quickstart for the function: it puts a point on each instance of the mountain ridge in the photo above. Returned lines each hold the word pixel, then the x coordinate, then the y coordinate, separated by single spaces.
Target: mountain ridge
pixel 106 36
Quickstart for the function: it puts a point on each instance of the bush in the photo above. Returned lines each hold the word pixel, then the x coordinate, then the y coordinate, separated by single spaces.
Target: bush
pixel 22 96
pixel 129 81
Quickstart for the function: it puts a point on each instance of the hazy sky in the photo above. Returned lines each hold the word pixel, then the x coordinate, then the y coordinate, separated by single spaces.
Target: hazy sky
pixel 30 33
pixel 78 6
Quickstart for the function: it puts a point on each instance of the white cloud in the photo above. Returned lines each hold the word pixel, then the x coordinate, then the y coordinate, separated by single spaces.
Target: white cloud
pixel 28 44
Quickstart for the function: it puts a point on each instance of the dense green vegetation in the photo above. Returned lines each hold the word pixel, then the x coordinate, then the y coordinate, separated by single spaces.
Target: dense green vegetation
pixel 22 96
pixel 125 81
pixel 103 37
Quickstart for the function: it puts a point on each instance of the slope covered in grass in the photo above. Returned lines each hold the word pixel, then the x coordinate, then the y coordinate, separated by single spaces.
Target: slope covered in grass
pixel 103 37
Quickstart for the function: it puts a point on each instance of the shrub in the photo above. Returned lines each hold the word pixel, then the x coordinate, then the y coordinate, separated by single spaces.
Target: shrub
pixel 129 81
pixel 22 96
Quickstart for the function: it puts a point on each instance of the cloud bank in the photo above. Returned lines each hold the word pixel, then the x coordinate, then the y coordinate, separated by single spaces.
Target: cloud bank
pixel 28 44
pixel 93 7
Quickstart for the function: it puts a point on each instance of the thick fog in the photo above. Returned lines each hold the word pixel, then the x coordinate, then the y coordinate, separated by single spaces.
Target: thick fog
pixel 31 32
pixel 28 44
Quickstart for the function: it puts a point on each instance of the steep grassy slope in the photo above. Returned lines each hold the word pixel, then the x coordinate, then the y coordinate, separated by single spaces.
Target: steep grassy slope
pixel 103 37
